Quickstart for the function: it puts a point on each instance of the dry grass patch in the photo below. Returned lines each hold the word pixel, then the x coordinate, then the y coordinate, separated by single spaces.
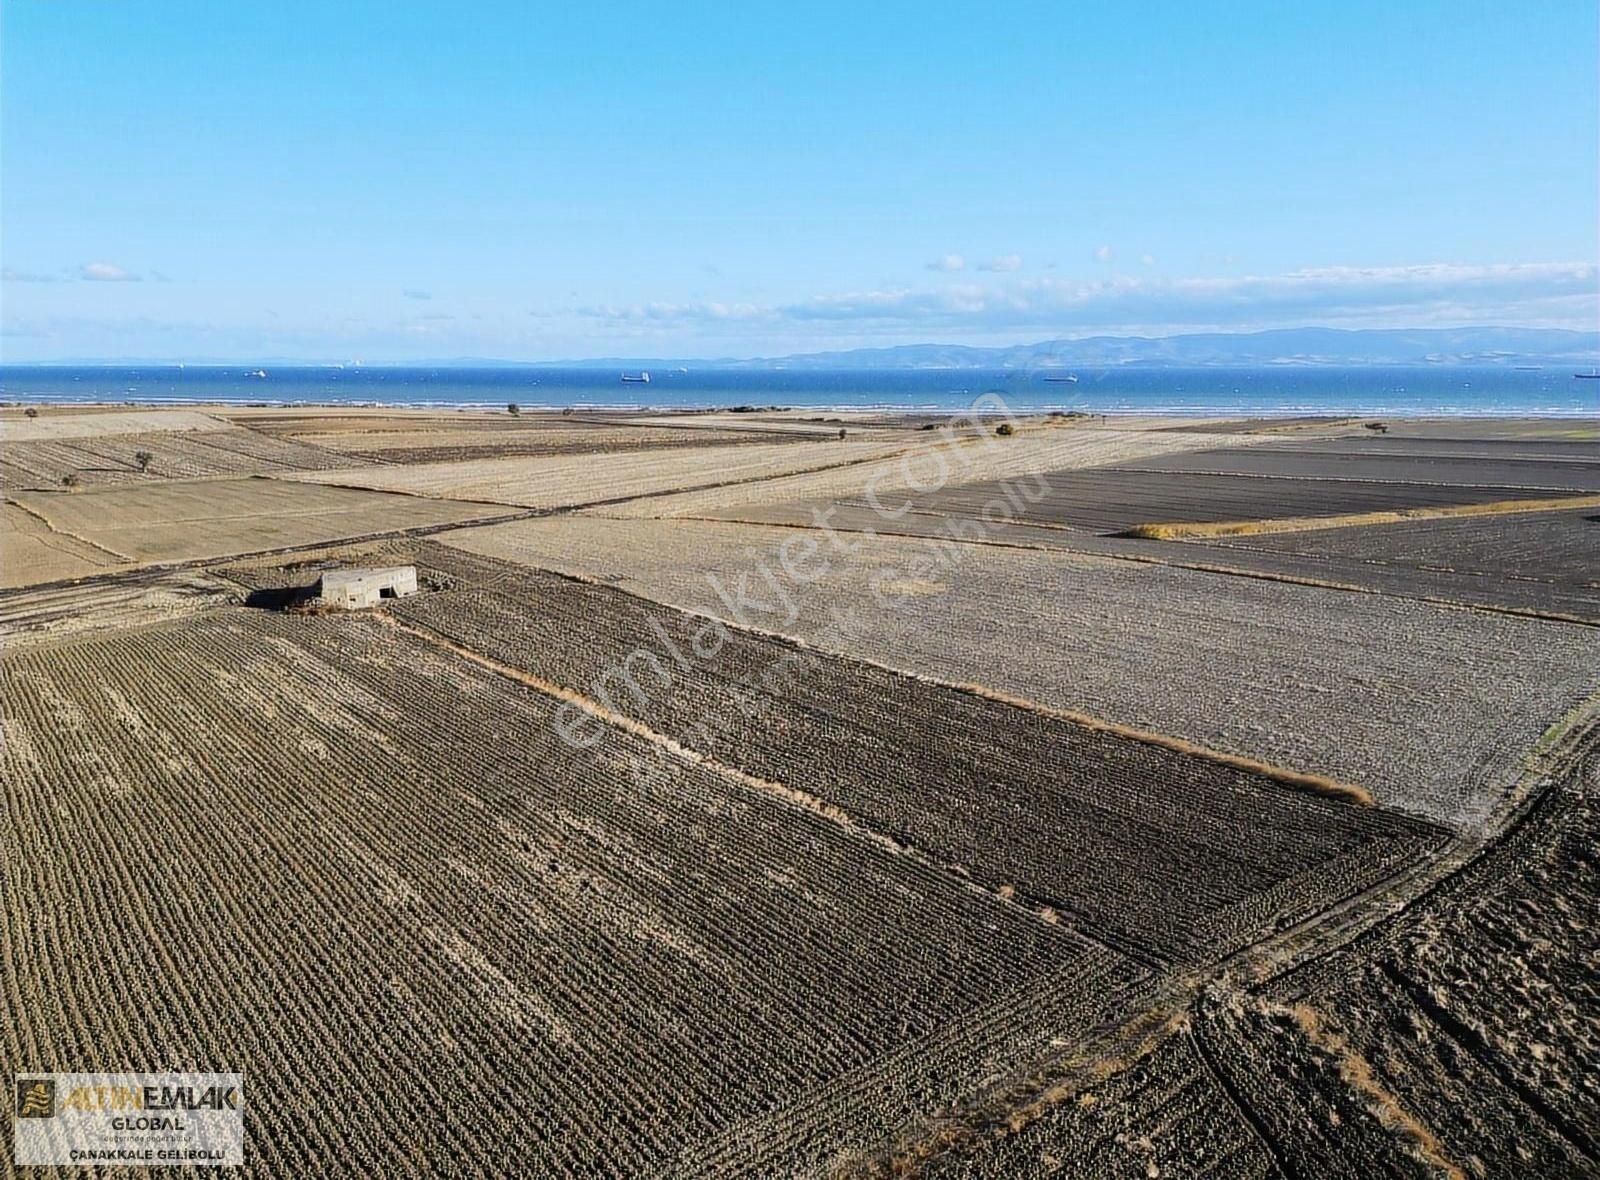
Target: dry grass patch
pixel 172 521
pixel 1357 1073
pixel 81 425
pixel 32 552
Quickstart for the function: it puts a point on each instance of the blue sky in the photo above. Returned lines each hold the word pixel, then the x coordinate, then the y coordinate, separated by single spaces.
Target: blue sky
pixel 391 181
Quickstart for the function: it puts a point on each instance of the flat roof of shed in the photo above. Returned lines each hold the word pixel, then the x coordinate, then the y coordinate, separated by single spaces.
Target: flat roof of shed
pixel 378 573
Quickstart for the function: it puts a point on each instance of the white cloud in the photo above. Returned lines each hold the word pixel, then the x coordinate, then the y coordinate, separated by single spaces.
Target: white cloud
pixel 671 313
pixel 1533 294
pixel 1003 264
pixel 105 272
pixel 1104 254
pixel 948 263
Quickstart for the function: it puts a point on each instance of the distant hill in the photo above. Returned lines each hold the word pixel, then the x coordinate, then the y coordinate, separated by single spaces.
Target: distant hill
pixel 1286 346
pixel 1280 346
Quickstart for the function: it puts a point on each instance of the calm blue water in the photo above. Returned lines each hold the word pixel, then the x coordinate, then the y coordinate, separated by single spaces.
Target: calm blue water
pixel 1183 391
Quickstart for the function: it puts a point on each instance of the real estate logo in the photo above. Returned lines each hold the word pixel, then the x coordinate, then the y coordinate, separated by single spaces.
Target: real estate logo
pixel 36 1098
pixel 129 1120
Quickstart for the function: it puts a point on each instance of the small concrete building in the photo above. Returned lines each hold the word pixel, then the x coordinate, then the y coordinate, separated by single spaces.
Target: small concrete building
pixel 356 589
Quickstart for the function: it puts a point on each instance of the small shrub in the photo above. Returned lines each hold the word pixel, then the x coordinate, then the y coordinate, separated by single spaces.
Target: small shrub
pixel 842 433
pixel 143 459
pixel 31 412
pixel 513 409
pixel 69 480
pixel 1005 430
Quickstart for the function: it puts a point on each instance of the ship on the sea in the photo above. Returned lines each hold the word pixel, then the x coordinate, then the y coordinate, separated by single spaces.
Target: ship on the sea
pixel 636 378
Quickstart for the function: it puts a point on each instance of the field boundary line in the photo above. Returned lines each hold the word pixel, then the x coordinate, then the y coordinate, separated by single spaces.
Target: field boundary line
pixel 1521 612
pixel 1498 608
pixel 1199 530
pixel 1357 1073
pixel 795 796
pixel 1028 1011
pixel 1241 1105
pixel 728 483
pixel 559 509
pixel 1558 755
pixel 1352 793
pixel 1393 483
pixel 910 448
pixel 130 567
pixel 1010 1107
pixel 53 531
pixel 293 477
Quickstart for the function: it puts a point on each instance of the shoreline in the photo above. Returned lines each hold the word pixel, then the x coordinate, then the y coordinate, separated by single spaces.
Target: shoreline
pixel 921 409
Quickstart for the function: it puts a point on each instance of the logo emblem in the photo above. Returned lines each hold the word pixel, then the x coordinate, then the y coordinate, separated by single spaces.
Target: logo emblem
pixel 36 1098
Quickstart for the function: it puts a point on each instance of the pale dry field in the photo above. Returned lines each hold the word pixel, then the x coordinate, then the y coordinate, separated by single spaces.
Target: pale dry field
pixel 19 428
pixel 819 423
pixel 173 521
pixel 559 481
pixel 534 438
pixel 455 443
pixel 31 552
pixel 1431 708
pixel 934 460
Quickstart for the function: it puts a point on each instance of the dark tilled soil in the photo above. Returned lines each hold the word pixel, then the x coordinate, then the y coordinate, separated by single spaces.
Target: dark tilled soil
pixel 1164 1116
pixel 1169 857
pixel 1397 462
pixel 1556 547
pixel 1457 1039
pixel 1477 1011
pixel 317 847
pixel 1105 500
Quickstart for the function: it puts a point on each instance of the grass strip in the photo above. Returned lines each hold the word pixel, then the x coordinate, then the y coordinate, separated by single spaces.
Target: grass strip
pixel 1199 530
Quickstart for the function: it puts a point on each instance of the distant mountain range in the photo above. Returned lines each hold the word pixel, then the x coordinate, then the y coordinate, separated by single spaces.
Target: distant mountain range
pixel 1508 347
pixel 1284 346
pixel 1287 346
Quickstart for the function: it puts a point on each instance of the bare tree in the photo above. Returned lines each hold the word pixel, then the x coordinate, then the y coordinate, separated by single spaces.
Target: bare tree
pixel 143 459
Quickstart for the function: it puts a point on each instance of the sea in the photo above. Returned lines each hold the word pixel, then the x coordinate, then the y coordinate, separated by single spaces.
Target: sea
pixel 1271 391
